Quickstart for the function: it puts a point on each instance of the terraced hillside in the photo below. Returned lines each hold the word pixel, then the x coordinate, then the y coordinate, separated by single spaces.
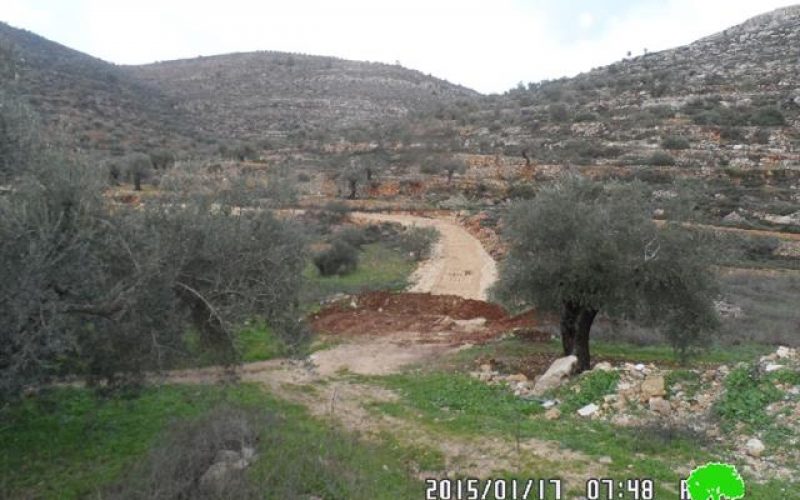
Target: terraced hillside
pixel 725 109
pixel 259 95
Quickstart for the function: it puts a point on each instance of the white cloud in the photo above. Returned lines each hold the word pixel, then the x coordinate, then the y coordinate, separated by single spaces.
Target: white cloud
pixel 487 46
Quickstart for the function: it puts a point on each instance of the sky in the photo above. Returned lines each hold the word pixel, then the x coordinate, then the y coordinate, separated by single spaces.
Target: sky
pixel 487 45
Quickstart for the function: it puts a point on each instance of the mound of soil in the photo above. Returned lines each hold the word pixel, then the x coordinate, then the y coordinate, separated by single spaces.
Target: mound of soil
pixel 376 313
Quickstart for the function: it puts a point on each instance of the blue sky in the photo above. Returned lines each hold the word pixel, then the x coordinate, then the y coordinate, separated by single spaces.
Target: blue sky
pixel 488 45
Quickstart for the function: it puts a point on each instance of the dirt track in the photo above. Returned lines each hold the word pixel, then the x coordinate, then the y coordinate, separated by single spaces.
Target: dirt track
pixel 395 331
pixel 459 265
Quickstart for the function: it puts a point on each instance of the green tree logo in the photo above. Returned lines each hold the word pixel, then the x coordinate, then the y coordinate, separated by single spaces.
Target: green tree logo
pixel 715 481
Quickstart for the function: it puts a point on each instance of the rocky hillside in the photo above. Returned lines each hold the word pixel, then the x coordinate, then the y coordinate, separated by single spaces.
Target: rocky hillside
pixel 725 109
pixel 253 96
pixel 91 104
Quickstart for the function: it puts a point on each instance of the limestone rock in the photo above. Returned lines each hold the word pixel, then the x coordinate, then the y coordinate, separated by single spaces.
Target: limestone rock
pixel 754 447
pixel 603 366
pixel 552 414
pixel 660 405
pixel 588 410
pixel 556 375
pixel 652 387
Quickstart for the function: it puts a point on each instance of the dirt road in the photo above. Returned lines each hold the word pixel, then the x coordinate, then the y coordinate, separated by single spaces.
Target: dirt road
pixel 459 264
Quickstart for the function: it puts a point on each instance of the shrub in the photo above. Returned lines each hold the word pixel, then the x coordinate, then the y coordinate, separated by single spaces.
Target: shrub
pixel 175 467
pixel 354 236
pixel 732 134
pixel 660 159
pixel 339 259
pixel 334 213
pixel 768 117
pixel 418 241
pixel 303 177
pixel 558 113
pixel 675 142
pixel 761 136
pixel 585 116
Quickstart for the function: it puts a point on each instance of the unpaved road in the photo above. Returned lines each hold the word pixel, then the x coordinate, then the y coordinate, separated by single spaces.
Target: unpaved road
pixel 459 264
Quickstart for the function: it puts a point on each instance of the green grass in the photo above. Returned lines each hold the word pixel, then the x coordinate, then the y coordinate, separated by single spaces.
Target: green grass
pixel 747 393
pixel 257 342
pixel 379 268
pixel 254 342
pixel 68 444
pixel 590 387
pixel 456 404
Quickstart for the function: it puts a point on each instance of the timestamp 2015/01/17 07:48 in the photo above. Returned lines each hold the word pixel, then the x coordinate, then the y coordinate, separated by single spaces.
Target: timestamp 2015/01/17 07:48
pixel 482 489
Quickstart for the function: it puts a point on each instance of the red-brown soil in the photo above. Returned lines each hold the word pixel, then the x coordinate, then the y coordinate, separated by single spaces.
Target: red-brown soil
pixel 377 313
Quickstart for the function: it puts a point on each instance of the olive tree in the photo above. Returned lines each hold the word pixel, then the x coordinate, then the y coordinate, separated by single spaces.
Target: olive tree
pixel 138 167
pixel 110 292
pixel 581 248
pixel 353 175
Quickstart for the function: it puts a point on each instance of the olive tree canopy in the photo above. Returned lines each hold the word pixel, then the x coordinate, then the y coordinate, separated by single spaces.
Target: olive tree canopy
pixel 581 248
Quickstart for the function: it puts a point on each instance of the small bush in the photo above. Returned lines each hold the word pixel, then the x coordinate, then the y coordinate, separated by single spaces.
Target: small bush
pixel 418 241
pixel 354 236
pixel 768 117
pixel 731 134
pixel 303 177
pixel 174 468
pixel 339 259
pixel 675 142
pixel 333 214
pixel 660 159
pixel 585 117
pixel 558 113
pixel 761 136
pixel 430 168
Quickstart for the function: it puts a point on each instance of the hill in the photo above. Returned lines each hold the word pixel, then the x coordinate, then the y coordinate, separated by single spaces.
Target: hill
pixel 725 109
pixel 89 103
pixel 264 94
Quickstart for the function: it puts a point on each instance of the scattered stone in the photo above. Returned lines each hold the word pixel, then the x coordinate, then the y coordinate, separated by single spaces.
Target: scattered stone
pixel 605 460
pixel 552 414
pixel 660 405
pixel 519 377
pixel 556 375
pixel 784 352
pixel 653 386
pixel 754 447
pixel 773 367
pixel 604 366
pixel 588 410
pixel 549 404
